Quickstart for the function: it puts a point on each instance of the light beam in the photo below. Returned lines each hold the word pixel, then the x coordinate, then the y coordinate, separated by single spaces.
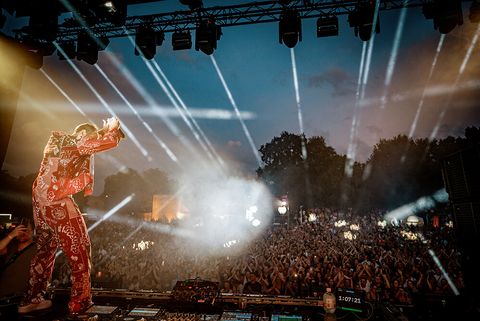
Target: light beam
pixel 162 144
pixel 237 112
pixel 104 103
pixel 190 116
pixel 114 210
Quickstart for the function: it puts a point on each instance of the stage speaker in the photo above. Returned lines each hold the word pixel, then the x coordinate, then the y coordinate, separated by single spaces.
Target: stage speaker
pixel 461 174
pixel 467 221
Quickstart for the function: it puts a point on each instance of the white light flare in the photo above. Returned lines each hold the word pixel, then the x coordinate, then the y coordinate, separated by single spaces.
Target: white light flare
pixel 221 207
pixel 422 204
pixel 104 103
pixel 114 210
pixel 237 112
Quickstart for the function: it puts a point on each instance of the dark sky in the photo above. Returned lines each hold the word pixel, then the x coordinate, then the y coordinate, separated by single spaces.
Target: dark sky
pixel 258 72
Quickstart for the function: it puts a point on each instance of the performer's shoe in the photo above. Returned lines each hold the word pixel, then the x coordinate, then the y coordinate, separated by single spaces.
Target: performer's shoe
pixel 80 310
pixel 34 307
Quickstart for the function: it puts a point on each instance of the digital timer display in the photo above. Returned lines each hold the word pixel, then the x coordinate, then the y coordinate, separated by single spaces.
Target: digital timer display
pixel 350 299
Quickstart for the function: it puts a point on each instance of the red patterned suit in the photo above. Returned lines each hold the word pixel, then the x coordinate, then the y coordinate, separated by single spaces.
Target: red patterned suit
pixel 64 171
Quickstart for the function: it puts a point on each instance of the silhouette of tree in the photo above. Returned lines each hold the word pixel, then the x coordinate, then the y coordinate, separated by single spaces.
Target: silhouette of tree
pixel 143 185
pixel 399 170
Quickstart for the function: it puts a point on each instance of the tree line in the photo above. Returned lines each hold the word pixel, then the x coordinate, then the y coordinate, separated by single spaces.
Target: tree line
pixel 399 170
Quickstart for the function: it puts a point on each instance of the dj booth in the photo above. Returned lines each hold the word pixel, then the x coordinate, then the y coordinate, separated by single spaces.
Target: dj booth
pixel 197 299
pixel 149 305
pixel 124 305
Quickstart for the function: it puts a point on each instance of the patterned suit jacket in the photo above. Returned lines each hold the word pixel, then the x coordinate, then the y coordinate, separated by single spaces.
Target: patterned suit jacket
pixel 66 167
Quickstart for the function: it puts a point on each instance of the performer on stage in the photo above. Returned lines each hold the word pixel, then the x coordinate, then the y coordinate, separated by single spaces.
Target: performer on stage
pixel 66 169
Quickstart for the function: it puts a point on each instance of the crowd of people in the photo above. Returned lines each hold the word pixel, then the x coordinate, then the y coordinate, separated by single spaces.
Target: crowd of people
pixel 389 263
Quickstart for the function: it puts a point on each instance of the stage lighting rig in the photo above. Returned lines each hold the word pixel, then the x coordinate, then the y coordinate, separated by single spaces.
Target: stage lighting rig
pixel 159 37
pixel 88 47
pixel 446 14
pixel 290 28
pixel 44 48
pixel 192 4
pixel 181 40
pixel 362 20
pixel 146 42
pixel 327 26
pixel 206 36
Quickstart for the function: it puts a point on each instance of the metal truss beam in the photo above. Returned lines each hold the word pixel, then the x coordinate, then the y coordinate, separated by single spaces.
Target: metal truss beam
pixel 225 16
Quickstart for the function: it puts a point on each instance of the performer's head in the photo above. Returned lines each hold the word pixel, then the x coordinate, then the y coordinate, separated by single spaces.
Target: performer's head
pixel 84 129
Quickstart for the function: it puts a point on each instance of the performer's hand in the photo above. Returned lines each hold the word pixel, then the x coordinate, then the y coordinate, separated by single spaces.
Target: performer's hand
pixel 113 123
pixel 17 231
pixel 50 149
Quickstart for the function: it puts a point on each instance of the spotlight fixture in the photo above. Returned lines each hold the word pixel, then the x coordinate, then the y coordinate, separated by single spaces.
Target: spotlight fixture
pixel 146 42
pixel 159 37
pixel 69 49
pixel 361 19
pixel 446 14
pixel 102 43
pixel 45 48
pixel 43 26
pixel 290 28
pixel 192 4
pixel 327 26
pixel 87 48
pixel 206 36
pixel 181 40
pixel 474 15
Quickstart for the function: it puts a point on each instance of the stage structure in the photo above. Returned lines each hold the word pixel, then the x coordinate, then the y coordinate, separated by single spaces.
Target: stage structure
pixel 104 21
pixel 94 22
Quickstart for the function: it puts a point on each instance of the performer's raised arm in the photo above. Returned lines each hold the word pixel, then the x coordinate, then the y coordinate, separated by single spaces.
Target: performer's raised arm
pixel 106 138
